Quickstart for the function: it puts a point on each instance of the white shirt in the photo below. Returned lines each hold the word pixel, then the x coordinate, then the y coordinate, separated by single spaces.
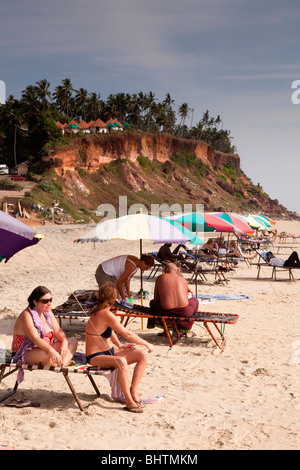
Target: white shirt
pixel 276 262
pixel 116 266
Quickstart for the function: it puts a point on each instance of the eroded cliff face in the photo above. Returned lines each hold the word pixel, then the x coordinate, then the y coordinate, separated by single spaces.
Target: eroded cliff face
pixel 165 181
pixel 92 151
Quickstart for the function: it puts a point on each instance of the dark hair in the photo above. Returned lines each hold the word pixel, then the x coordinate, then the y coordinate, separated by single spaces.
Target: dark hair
pixel 148 259
pixel 107 296
pixel 36 294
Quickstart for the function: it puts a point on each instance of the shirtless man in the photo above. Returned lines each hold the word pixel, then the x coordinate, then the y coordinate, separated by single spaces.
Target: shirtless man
pixel 171 297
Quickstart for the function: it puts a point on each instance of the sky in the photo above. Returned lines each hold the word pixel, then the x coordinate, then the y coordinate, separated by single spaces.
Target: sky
pixel 237 58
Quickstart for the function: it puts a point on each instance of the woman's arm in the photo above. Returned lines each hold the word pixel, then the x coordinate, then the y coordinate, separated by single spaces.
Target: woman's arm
pixel 114 323
pixel 32 333
pixel 123 283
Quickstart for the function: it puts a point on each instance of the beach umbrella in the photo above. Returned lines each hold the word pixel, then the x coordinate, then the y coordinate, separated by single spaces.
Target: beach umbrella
pixel 271 221
pixel 236 220
pixel 255 223
pixel 262 220
pixel 15 236
pixel 141 227
pixel 201 222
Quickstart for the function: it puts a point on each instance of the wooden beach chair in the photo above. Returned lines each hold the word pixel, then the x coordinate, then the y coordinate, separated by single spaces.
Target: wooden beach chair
pixel 8 368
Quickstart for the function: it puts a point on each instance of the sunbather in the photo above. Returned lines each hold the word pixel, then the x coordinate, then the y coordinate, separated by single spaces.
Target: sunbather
pixel 209 249
pixel 171 298
pixel 103 348
pixel 165 253
pixel 292 261
pixel 34 333
pixel 119 271
pixel 234 250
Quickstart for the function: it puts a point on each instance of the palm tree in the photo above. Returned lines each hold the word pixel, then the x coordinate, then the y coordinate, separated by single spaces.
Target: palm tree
pixel 150 100
pixel 59 97
pixel 81 99
pixel 183 113
pixel 63 95
pixel 94 106
pixel 29 100
pixel 42 92
pixel 15 117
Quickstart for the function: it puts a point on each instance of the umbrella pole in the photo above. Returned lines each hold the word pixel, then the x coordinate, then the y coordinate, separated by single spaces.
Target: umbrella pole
pixel 142 288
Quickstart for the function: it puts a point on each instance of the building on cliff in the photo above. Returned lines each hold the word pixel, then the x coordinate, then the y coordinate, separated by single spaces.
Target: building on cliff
pixel 96 127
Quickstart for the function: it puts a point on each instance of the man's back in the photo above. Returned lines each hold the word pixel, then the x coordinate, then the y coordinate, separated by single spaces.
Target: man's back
pixel 171 290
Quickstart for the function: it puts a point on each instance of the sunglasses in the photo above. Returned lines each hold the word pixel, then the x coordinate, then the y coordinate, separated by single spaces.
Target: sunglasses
pixel 45 301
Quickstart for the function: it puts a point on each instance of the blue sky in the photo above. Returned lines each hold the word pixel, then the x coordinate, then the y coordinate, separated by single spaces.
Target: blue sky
pixel 236 58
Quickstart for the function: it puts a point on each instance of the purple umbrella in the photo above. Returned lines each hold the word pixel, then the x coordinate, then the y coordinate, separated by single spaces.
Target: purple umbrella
pixel 14 236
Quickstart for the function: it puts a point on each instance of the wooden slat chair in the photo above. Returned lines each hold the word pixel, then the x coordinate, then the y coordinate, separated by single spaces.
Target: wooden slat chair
pixel 9 368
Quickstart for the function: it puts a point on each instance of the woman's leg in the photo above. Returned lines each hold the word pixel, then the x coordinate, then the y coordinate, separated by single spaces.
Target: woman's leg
pixel 121 364
pixel 72 343
pixel 37 356
pixel 139 357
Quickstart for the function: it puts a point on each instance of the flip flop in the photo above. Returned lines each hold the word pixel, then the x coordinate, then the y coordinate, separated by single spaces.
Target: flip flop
pixel 133 409
pixel 140 403
pixel 14 403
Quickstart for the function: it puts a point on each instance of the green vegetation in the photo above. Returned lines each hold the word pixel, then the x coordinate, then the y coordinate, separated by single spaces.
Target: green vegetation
pixel 190 161
pixel 28 125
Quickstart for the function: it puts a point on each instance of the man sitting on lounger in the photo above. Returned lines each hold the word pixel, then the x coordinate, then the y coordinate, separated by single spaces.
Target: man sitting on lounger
pixel 171 298
pixel 292 262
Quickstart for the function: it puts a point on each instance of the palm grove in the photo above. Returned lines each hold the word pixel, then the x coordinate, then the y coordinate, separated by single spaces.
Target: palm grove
pixel 28 124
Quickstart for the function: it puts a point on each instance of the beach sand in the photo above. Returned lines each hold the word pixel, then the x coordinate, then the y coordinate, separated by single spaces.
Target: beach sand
pixel 245 397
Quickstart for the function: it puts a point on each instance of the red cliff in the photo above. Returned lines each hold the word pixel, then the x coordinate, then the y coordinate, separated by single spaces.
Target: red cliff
pixel 92 151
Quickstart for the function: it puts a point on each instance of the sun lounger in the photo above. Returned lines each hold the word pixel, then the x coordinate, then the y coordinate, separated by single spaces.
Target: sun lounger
pixel 71 309
pixel 218 320
pixel 158 264
pixel 7 369
pixel 283 237
pixel 263 263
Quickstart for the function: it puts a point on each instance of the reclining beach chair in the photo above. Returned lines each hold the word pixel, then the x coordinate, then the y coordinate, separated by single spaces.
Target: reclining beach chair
pixel 158 265
pixel 7 368
pixel 264 263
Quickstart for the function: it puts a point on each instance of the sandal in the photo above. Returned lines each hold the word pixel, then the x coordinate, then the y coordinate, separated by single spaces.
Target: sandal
pixel 14 403
pixel 133 409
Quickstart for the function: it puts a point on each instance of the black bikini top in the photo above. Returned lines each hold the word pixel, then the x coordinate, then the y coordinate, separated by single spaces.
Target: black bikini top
pixel 107 333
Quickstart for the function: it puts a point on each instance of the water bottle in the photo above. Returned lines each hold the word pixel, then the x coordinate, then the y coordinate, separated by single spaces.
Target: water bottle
pixel 126 303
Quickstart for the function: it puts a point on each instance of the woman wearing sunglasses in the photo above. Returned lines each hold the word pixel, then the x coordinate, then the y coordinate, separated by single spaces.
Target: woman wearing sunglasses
pixel 37 336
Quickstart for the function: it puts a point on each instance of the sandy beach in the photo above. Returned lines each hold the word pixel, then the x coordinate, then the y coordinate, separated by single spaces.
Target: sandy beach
pixel 245 397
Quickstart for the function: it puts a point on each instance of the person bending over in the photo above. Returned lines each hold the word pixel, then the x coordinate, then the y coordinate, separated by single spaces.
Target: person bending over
pixel 120 269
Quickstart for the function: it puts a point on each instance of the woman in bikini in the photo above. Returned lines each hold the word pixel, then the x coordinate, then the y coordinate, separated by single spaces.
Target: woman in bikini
pixel 37 336
pixel 103 349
